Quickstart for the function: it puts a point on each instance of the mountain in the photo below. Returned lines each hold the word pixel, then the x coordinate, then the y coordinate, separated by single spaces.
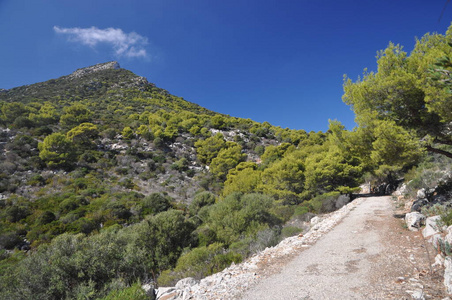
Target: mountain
pixel 124 182
pixel 105 83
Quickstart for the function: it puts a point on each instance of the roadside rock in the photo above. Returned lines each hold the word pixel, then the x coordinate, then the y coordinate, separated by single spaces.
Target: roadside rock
pixel 315 220
pixel 448 274
pixel 149 288
pixel 439 260
pixel 166 293
pixel 418 294
pixel 414 220
pixel 418 204
pixel 401 190
pixel 421 194
pixel 186 282
pixel 448 237
pixel 431 226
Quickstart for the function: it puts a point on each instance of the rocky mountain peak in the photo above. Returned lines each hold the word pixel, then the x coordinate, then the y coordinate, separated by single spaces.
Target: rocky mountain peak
pixel 96 68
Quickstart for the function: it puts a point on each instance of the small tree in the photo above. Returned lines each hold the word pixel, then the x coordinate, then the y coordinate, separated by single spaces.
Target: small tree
pixel 57 151
pixel 83 135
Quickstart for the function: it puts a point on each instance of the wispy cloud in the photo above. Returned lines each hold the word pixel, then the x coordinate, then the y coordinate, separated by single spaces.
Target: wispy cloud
pixel 124 44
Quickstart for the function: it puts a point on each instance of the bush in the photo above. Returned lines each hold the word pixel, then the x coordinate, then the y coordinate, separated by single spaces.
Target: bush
pixel 36 180
pixel 446 217
pixel 16 213
pixel 199 263
pixel 200 200
pixel 134 292
pixel 328 201
pixel 290 231
pixel 10 240
pixel 267 237
pixel 82 225
pixel 155 203
pixel 45 218
pixel 240 214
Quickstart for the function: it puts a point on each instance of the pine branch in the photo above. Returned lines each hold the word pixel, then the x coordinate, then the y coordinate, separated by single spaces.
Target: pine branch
pixel 439 151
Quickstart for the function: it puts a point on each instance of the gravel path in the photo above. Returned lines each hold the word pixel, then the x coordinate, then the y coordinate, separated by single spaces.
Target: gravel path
pixel 360 258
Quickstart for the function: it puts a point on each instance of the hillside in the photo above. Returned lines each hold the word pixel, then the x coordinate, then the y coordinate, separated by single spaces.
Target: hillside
pixel 118 183
pixel 92 157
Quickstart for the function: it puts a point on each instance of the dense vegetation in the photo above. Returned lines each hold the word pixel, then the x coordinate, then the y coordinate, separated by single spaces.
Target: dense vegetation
pixel 107 181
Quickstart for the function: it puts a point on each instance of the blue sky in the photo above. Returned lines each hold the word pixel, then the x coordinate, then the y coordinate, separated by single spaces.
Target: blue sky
pixel 276 61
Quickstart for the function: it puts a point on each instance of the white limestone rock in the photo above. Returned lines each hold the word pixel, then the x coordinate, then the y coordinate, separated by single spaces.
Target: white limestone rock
pixel 164 291
pixel 315 220
pixel 418 294
pixel 149 288
pixel 431 226
pixel 186 282
pixel 414 220
pixel 448 237
pixel 448 274
pixel 421 194
pixel 439 260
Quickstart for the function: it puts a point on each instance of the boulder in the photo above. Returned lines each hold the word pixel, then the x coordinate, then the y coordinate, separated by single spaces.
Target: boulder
pixel 365 188
pixel 186 282
pixel 431 226
pixel 436 240
pixel 421 194
pixel 401 190
pixel 417 294
pixel 414 220
pixel 448 237
pixel 149 288
pixel 315 220
pixel 439 260
pixel 448 274
pixel 418 204
pixel 164 292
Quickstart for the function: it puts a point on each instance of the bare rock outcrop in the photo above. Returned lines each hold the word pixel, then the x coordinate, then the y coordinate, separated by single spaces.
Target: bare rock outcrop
pixel 96 68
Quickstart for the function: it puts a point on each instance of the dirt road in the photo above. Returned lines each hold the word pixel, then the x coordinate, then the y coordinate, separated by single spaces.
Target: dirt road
pixel 367 256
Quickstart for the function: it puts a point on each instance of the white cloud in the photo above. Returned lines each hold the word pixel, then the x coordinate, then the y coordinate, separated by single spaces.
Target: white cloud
pixel 124 44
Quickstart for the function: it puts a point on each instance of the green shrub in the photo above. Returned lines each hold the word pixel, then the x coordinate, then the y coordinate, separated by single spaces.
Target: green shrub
pixel 240 214
pixel 284 212
pixel 36 180
pixel 155 203
pixel 45 218
pixel 328 201
pixel 16 213
pixel 265 237
pixel 199 263
pixel 434 210
pixel 301 210
pixel 290 231
pixel 200 200
pixel 134 292
pixel 9 240
pixel 446 217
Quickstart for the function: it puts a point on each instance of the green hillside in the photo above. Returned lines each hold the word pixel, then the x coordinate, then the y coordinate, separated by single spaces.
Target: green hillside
pixel 107 181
